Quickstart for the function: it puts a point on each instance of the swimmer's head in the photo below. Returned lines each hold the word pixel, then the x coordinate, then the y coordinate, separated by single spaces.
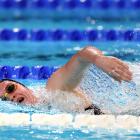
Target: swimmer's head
pixel 17 92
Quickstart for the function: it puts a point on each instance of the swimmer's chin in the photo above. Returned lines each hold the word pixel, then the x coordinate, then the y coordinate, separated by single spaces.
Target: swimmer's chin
pixel 32 101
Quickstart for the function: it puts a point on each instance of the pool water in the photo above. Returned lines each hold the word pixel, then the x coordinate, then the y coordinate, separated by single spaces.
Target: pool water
pixel 57 53
pixel 58 23
pixel 43 133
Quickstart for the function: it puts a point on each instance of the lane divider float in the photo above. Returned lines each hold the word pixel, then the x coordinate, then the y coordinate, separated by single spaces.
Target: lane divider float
pixel 25 72
pixel 68 120
pixel 71 4
pixel 39 35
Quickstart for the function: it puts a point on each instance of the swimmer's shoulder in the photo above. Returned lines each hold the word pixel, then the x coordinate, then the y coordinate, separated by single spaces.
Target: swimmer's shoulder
pixel 56 81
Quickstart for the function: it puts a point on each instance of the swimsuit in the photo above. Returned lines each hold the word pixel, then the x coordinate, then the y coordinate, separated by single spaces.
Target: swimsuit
pixel 97 111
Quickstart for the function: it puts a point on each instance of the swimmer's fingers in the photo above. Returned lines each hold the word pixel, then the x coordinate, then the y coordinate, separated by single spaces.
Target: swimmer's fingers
pixel 121 70
pixel 124 75
pixel 120 62
pixel 115 68
pixel 120 75
pixel 115 76
pixel 124 71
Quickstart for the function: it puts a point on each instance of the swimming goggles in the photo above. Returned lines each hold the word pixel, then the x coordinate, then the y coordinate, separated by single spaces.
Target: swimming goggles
pixel 10 88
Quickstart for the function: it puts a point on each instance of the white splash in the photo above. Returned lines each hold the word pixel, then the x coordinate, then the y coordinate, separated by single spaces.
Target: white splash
pixel 111 96
pixel 59 100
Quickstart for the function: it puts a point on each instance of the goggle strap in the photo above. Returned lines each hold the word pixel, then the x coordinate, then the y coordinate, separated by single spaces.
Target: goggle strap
pixel 5 94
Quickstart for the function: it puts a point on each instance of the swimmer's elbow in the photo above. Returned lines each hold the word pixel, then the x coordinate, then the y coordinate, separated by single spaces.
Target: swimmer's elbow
pixel 91 49
pixel 89 54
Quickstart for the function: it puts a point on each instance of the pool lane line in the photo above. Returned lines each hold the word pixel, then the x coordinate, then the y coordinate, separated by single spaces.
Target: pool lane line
pixel 70 121
pixel 70 4
pixel 40 35
pixel 25 72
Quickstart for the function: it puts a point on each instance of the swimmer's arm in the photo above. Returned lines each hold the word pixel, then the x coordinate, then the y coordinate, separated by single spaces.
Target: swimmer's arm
pixel 70 75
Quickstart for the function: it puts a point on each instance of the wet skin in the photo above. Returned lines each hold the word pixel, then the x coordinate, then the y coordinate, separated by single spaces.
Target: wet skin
pixel 21 94
pixel 69 76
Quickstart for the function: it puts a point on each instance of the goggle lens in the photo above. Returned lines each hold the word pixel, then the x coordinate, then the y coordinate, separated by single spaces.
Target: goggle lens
pixel 10 88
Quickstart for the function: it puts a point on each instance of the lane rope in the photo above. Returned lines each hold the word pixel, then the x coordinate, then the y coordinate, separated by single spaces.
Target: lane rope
pixel 68 120
pixel 71 4
pixel 39 35
pixel 25 72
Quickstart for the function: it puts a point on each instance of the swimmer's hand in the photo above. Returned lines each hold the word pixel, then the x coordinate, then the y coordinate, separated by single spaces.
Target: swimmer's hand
pixel 114 67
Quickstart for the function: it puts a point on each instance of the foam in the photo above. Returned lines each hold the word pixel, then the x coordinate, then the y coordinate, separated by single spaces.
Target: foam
pixel 62 120
pixel 127 121
pixel 93 121
pixel 14 119
pixel 111 96
pixel 67 120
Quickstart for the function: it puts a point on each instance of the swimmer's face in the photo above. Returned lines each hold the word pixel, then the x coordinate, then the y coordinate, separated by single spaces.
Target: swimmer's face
pixel 16 92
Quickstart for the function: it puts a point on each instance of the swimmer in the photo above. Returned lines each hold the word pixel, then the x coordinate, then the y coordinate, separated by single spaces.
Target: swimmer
pixel 68 77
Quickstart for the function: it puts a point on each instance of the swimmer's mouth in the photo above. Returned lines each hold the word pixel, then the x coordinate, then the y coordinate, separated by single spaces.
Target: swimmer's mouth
pixel 20 99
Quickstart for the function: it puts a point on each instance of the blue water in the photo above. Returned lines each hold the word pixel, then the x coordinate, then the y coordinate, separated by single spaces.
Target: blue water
pixel 58 23
pixel 46 133
pixel 56 54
